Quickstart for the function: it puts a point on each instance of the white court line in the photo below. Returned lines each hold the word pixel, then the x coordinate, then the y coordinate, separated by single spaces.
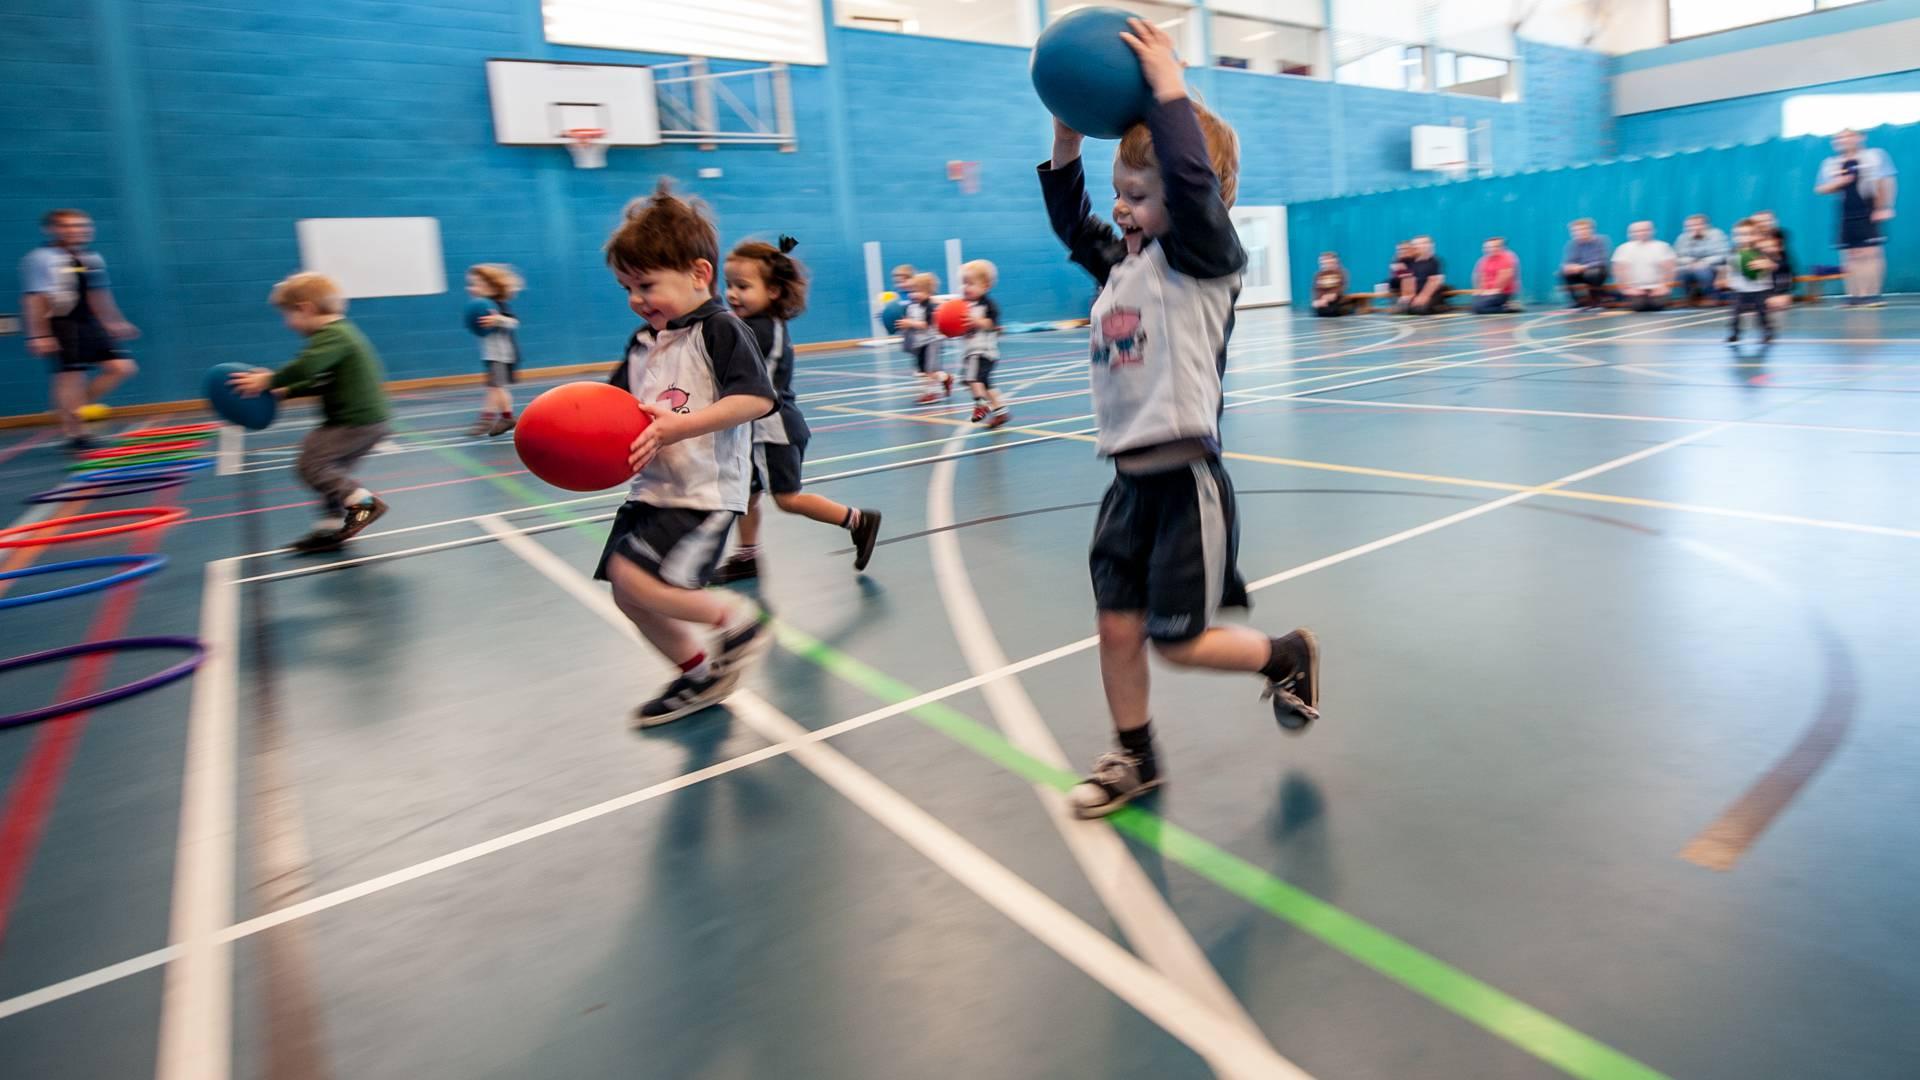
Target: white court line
pixel 1628 417
pixel 1172 1006
pixel 196 1008
pixel 1143 915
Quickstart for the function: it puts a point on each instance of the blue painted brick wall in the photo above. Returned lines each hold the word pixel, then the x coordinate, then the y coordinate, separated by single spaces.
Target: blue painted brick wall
pixel 1737 120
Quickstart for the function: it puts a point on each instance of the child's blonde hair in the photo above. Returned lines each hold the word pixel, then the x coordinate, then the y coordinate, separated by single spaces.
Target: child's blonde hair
pixel 926 283
pixel 904 270
pixel 981 268
pixel 500 279
pixel 1223 150
pixel 307 287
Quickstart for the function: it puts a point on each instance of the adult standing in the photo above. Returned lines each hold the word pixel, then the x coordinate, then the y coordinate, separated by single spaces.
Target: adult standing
pixel 1583 266
pixel 1496 278
pixel 1643 268
pixel 1420 289
pixel 73 321
pixel 1863 177
pixel 1700 254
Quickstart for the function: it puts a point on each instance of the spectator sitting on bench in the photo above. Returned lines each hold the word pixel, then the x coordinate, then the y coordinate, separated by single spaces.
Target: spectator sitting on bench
pixel 1584 265
pixel 1643 268
pixel 1330 287
pixel 1420 289
pixel 1700 254
pixel 1496 278
pixel 1397 269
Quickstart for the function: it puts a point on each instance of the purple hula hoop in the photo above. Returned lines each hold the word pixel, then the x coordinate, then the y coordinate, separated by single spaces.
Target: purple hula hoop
pixel 103 697
pixel 107 489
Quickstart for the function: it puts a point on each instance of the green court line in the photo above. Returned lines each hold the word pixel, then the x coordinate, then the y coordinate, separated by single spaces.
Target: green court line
pixel 1493 1010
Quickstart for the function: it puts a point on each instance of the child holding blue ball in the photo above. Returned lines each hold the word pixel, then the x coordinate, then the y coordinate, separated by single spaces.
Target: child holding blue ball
pixel 491 285
pixel 1163 548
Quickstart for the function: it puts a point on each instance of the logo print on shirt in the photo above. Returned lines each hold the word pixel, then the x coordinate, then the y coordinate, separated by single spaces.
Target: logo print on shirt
pixel 676 399
pixel 1122 341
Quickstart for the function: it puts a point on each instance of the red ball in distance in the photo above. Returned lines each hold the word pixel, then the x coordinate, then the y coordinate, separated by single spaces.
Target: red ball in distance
pixel 952 317
pixel 577 436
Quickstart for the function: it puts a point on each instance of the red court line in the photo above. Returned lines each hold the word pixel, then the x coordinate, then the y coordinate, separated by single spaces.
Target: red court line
pixel 385 491
pixel 31 797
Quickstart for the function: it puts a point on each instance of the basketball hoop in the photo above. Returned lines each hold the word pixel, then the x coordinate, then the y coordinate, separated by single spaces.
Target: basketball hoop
pixel 585 144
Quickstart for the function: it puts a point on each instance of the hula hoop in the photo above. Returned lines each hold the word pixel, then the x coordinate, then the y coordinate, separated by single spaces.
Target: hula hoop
pixel 137 566
pixel 95 700
pixel 176 430
pixel 143 472
pixel 141 459
pixel 111 488
pixel 134 451
pixel 154 515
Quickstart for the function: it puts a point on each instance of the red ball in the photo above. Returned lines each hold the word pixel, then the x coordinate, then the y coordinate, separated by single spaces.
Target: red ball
pixel 952 317
pixel 577 436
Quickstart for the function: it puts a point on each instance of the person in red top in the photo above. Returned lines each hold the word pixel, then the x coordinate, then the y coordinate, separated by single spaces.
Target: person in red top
pixel 1496 278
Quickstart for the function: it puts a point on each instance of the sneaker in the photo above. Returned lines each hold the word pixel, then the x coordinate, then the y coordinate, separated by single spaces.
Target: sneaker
pixel 80 444
pixel 1733 337
pixel 501 426
pixel 737 568
pixel 1296 697
pixel 1116 780
pixel 979 412
pixel 359 516
pixel 929 398
pixel 999 418
pixel 947 378
pixel 735 650
pixel 481 426
pixel 319 541
pixel 865 535
pixel 1766 338
pixel 684 696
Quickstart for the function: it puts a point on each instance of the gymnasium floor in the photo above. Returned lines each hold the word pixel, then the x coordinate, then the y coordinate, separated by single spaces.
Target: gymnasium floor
pixel 1615 777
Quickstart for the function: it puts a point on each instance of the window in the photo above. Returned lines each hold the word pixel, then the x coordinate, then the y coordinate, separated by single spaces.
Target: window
pixel 1691 18
pixel 1481 76
pixel 1178 20
pixel 1387 67
pixel 1267 47
pixel 999 22
pixel 788 30
pixel 1825 114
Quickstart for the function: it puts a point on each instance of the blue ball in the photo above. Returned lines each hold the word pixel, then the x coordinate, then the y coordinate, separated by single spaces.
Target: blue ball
pixel 476 308
pixel 252 413
pixel 891 315
pixel 1087 76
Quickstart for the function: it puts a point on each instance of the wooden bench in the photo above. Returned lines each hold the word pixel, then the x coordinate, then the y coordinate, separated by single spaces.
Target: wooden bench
pixel 1363 302
pixel 1812 291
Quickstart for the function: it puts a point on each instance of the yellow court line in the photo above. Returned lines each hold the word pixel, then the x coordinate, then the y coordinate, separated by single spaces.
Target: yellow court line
pixel 1462 481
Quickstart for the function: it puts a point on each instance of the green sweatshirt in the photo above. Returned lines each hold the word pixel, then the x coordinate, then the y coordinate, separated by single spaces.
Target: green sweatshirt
pixel 339 365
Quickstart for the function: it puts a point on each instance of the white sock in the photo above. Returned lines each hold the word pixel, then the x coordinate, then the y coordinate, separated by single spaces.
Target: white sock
pixel 360 495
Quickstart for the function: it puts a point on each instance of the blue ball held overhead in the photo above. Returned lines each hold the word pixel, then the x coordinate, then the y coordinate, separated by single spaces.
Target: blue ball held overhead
pixel 252 413
pixel 479 308
pixel 1087 76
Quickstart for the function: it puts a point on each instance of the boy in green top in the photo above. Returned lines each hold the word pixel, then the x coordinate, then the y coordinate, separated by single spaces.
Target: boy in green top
pixel 340 366
pixel 1749 279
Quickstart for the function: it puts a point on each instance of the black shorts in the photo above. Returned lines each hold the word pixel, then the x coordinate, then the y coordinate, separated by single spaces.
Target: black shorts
pixel 83 345
pixel 1860 232
pixel 776 467
pixel 927 358
pixel 500 374
pixel 680 547
pixel 1167 545
pixel 980 369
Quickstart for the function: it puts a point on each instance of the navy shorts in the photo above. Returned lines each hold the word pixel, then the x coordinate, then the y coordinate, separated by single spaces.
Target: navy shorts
pixel 926 358
pixel 980 370
pixel 776 467
pixel 1860 232
pixel 83 346
pixel 1166 545
pixel 680 547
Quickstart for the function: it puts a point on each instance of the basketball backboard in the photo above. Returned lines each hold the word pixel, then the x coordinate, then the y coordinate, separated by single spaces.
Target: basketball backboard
pixel 536 102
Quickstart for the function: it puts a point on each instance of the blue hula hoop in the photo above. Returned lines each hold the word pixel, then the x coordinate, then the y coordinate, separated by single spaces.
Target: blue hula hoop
pixel 148 471
pixel 137 566
pixel 93 701
pixel 111 488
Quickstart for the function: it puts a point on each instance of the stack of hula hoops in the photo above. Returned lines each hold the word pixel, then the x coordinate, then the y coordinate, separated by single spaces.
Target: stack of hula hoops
pixel 146 460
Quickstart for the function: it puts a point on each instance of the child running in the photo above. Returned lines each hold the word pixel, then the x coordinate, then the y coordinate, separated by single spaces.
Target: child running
pixel 339 365
pixel 1164 548
pixel 923 342
pixel 766 288
pixel 696 371
pixel 983 341
pixel 491 285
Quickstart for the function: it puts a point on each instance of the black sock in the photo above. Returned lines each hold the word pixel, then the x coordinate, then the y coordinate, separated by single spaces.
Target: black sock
pixel 1139 743
pixel 852 520
pixel 1279 665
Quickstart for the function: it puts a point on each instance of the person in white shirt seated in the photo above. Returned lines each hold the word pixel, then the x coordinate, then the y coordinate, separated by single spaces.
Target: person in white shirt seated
pixel 1643 269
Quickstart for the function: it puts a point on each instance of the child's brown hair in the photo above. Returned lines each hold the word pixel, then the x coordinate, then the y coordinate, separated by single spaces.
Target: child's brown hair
pixel 786 279
pixel 318 290
pixel 926 283
pixel 500 279
pixel 1223 150
pixel 663 232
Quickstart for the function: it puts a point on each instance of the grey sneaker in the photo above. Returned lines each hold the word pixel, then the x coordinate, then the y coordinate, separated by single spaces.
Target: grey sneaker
pixel 1296 695
pixel 1118 777
pixel 684 696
